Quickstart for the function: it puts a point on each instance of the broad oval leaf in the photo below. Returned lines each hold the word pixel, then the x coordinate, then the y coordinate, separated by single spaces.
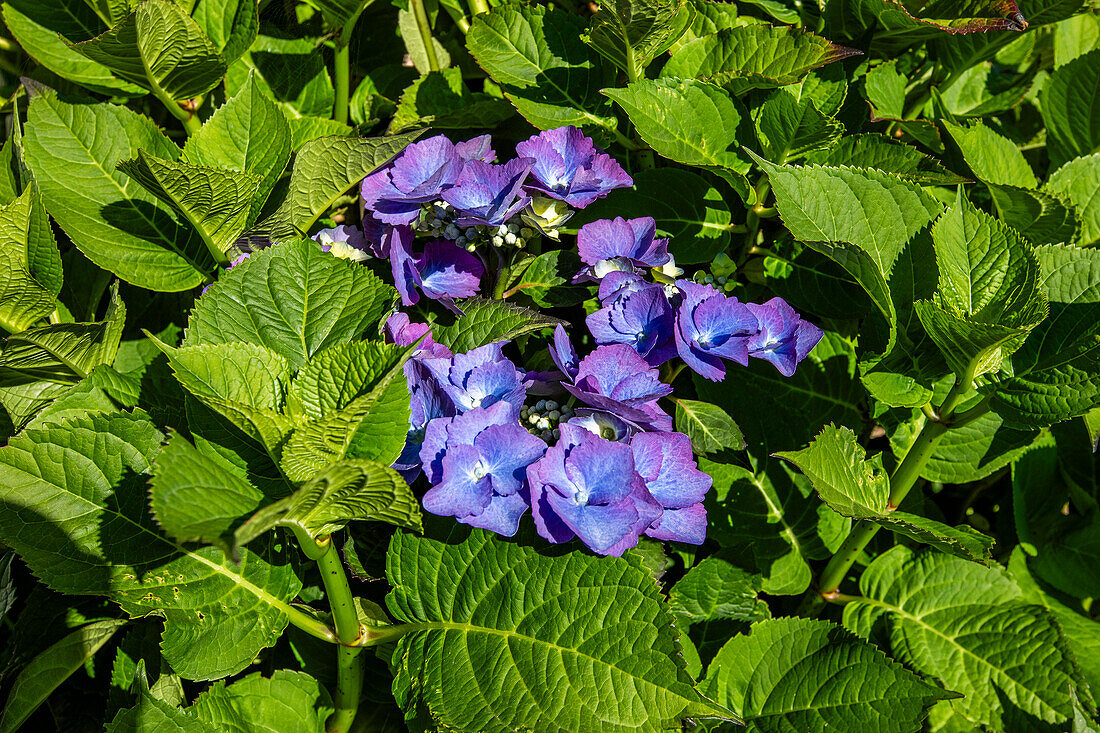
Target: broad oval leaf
pixel 90 494
pixel 1079 182
pixel 488 321
pixel 1072 128
pixel 73 150
pixel 813 676
pixel 504 638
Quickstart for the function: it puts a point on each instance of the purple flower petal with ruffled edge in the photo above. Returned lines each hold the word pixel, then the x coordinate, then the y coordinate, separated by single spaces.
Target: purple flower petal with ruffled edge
pixel 688 525
pixel 479 378
pixel 489 194
pixel 619 244
pixel 711 327
pixel 616 379
pixel 477 148
pixel 477 463
pixel 784 339
pixel 447 270
pixel 398 242
pixel 667 465
pixel 636 313
pixel 563 353
pixel 587 487
pixel 569 167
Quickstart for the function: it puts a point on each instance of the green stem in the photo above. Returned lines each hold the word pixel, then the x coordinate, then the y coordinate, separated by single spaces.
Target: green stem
pixel 425 28
pixel 631 66
pixel 343 77
pixel 345 618
pixel 752 219
pixel 477 7
pixel 901 482
pixel 310 625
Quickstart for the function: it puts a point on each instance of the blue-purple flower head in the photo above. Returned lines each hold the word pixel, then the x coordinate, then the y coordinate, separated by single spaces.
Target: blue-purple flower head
pixel 666 464
pixel 421 173
pixel 569 167
pixel 636 313
pixel 616 379
pixel 443 271
pixel 712 327
pixel 479 378
pixel 627 245
pixel 587 487
pixel 488 194
pixel 476 463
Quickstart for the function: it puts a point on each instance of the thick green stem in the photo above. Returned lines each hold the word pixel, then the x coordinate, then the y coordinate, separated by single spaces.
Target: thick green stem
pixel 631 66
pixel 901 482
pixel 343 78
pixel 190 120
pixel 345 619
pixel 425 28
pixel 477 7
pixel 752 219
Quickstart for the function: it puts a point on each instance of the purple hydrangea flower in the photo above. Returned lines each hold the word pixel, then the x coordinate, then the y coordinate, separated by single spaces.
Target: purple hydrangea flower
pixel 622 244
pixel 784 338
pixel 569 167
pixel 489 194
pixel 563 353
pixel 666 464
pixel 637 313
pixel 477 465
pixel 418 175
pixel 400 330
pixel 711 327
pixel 587 487
pixel 444 270
pixel 479 378
pixel 616 379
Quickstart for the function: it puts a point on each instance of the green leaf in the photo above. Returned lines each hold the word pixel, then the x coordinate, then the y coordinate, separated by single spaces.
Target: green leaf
pixel 884 87
pixel 711 430
pixel 249 133
pixel 1072 129
pixel 547 279
pixel 291 298
pixel 716 589
pixel 885 154
pixel 1079 182
pixel 544 69
pixel 488 321
pixel 159 48
pixel 1075 37
pixel 30 265
pixel 290 71
pixel 73 150
pixel 194 497
pixel 358 400
pixel 813 676
pixel 993 158
pixel 788 126
pixel 1056 372
pixel 324 169
pixel 41 363
pixel 89 533
pixel 305 129
pixel 961 541
pixel 287 700
pixel 754 56
pixel 353 489
pixel 688 210
pixel 968 627
pixel 1042 217
pixel 151 715
pixel 709 17
pixel 773 520
pixel 688 121
pixel 79 400
pixel 243 382
pixel 45 30
pixel 549 641
pixel 342 13
pixel 899 26
pixel 988 297
pixel 49 669
pixel 442 100
pixel 414 43
pixel 838 468
pixel 215 201
pixel 631 33
pixel 231 25
pixel 984 90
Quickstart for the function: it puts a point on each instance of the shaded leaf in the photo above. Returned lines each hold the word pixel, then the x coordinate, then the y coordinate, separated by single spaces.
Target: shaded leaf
pixel 488 321
pixel 711 430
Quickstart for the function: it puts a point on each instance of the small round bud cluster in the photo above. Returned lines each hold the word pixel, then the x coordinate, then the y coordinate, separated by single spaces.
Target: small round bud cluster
pixel 720 274
pixel 543 417
pixel 437 219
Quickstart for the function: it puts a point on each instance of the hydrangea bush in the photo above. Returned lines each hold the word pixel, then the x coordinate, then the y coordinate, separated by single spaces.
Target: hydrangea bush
pixel 490 366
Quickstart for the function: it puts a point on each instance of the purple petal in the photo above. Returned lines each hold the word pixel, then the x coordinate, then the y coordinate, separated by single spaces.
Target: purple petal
pixel 464 490
pixel 563 353
pixel 398 241
pixel 666 463
pixel 448 270
pixel 507 450
pixel 502 515
pixel 681 525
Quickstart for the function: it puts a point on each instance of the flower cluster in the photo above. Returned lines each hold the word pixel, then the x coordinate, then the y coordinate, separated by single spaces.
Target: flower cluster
pixel 587 449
